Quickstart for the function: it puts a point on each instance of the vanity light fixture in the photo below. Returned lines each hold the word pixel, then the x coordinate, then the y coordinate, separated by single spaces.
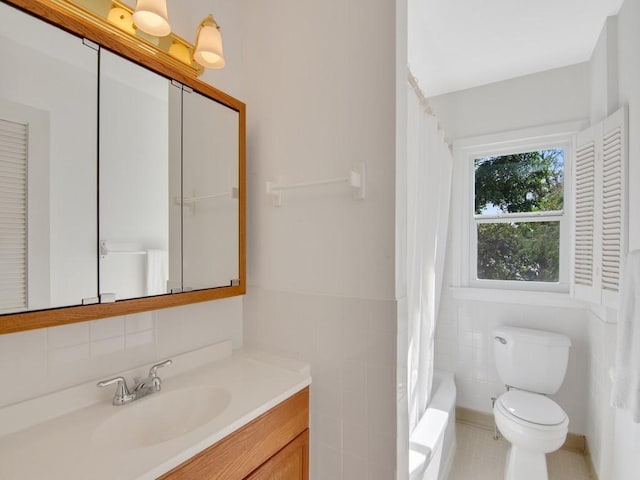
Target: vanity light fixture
pixel 180 51
pixel 151 17
pixel 122 19
pixel 208 51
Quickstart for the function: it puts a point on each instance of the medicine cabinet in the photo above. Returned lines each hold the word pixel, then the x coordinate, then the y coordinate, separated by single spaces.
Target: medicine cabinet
pixel 123 186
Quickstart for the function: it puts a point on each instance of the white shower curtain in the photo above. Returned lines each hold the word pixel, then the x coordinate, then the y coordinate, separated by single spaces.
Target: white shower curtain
pixel 429 167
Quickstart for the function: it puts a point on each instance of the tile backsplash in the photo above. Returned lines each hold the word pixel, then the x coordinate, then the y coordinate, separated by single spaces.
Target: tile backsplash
pixel 350 344
pixel 37 362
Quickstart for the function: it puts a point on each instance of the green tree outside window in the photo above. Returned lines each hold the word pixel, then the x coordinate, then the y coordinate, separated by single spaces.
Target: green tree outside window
pixel 512 184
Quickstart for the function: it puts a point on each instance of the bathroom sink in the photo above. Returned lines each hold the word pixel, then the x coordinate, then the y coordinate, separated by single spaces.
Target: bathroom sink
pixel 161 417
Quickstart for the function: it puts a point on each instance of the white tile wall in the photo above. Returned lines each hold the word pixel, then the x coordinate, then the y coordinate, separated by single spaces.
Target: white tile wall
pixel 351 346
pixel 600 416
pixel 37 362
pixel 464 345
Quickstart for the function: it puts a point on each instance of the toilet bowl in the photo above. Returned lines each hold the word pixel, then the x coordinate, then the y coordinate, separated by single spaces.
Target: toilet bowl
pixel 534 425
pixel 532 363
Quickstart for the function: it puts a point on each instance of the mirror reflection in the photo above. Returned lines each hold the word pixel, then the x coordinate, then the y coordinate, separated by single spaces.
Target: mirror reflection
pixel 134 180
pixel 48 210
pixel 210 180
pixel 116 183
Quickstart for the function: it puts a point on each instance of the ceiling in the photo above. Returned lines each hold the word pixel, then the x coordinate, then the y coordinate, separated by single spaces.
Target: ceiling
pixel 466 43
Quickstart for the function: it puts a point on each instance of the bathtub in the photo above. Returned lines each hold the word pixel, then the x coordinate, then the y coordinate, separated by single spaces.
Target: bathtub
pixel 432 444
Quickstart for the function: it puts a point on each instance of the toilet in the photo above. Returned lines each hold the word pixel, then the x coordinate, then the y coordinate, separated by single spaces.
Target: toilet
pixel 532 364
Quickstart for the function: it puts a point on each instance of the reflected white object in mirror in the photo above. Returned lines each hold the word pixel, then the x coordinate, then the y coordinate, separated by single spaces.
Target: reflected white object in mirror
pixel 134 179
pixel 48 91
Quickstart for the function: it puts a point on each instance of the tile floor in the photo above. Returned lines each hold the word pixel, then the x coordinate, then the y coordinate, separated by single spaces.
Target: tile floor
pixel 480 457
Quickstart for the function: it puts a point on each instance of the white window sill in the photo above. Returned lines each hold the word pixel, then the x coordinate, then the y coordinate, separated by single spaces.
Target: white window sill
pixel 521 297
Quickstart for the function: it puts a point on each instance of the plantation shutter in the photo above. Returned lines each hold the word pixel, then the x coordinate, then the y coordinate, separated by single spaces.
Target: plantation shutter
pixel 613 201
pixel 13 215
pixel 599 238
pixel 584 225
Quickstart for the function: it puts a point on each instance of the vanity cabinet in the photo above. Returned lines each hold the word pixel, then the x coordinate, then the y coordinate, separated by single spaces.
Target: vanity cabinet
pixel 274 446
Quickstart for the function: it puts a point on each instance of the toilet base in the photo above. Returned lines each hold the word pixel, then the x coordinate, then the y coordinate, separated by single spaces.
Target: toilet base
pixel 525 465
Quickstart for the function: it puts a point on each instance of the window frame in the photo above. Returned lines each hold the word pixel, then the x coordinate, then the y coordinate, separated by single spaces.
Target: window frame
pixel 519 141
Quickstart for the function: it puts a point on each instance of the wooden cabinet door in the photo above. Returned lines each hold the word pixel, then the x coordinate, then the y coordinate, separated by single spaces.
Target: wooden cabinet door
pixel 253 446
pixel 290 463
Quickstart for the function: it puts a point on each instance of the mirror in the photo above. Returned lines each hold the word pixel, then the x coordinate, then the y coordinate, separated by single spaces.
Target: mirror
pixel 169 211
pixel 48 214
pixel 168 215
pixel 210 209
pixel 134 180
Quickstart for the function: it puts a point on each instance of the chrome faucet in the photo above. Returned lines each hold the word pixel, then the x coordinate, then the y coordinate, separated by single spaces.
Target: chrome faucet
pixel 142 388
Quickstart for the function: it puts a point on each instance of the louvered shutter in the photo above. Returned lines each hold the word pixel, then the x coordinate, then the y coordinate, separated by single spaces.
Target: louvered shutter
pixel 613 204
pixel 13 216
pixel 599 234
pixel 585 212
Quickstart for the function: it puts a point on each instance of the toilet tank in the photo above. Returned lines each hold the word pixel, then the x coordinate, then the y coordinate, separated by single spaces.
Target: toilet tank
pixel 528 359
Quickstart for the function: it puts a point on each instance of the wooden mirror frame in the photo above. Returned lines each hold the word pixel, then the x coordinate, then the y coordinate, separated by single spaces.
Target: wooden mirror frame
pixel 75 20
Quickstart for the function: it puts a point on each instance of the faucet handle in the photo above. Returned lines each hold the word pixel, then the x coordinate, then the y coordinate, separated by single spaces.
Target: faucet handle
pixel 153 371
pixel 122 392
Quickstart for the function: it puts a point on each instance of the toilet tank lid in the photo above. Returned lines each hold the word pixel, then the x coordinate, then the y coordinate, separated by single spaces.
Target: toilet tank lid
pixel 530 335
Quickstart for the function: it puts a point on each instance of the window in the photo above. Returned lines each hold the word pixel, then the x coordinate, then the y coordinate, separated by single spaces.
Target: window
pixel 518 209
pixel 513 197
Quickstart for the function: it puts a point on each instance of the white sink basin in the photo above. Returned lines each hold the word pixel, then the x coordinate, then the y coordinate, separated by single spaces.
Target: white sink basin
pixel 161 417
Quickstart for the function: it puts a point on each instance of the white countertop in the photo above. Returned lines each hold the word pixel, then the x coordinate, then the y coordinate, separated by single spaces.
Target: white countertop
pixel 64 447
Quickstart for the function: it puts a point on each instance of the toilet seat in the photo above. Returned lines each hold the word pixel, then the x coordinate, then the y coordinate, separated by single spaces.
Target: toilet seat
pixel 531 409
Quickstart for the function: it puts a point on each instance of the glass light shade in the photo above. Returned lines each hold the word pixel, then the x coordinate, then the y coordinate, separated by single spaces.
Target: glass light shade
pixel 208 51
pixel 151 17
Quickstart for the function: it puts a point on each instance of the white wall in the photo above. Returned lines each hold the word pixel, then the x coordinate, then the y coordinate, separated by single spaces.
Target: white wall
pixel 629 91
pixel 321 267
pixel 604 72
pixel 613 438
pixel 600 416
pixel 464 343
pixel 186 15
pixel 41 361
pixel 554 96
pixel 401 253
